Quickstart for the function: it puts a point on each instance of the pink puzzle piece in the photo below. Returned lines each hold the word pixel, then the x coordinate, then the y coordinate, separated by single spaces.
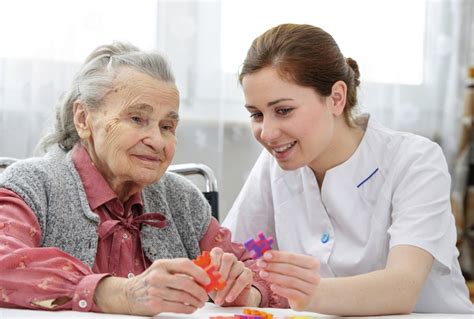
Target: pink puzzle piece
pixel 259 246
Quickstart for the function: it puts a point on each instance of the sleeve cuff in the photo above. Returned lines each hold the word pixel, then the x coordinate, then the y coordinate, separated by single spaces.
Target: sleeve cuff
pixel 84 295
pixel 264 292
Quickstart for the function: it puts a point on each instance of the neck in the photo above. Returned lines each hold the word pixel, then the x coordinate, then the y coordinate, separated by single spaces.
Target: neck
pixel 343 144
pixel 123 188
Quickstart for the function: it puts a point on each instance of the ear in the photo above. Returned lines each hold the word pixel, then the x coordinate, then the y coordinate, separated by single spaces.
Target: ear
pixel 338 97
pixel 81 121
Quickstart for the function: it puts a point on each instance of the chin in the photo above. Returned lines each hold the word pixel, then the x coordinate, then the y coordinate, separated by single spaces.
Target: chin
pixel 290 166
pixel 147 178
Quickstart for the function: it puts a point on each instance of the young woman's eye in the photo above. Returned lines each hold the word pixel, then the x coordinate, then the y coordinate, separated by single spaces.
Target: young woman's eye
pixel 256 115
pixel 284 111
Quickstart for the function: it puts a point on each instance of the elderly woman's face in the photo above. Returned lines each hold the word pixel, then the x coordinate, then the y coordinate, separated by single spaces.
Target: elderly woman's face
pixel 131 137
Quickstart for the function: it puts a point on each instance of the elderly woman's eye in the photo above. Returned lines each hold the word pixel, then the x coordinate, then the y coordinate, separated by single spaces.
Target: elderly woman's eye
pixel 137 119
pixel 168 127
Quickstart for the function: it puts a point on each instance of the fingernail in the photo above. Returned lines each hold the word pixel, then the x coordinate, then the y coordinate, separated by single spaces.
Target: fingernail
pixel 267 255
pixel 261 263
pixel 218 301
pixel 263 273
pixel 229 298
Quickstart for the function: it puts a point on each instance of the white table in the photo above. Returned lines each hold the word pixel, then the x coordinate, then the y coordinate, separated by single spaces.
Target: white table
pixel 204 313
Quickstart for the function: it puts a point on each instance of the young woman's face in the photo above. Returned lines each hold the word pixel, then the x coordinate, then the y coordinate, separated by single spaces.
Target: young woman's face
pixel 294 123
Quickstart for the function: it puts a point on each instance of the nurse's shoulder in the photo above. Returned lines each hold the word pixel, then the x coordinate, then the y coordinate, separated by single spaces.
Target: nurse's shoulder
pixel 403 149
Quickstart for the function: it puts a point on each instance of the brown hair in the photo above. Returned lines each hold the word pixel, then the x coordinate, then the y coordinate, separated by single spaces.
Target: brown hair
pixel 307 55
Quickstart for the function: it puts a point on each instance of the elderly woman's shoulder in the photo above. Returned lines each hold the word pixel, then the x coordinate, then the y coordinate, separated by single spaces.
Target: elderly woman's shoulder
pixel 175 188
pixel 36 167
pixel 177 182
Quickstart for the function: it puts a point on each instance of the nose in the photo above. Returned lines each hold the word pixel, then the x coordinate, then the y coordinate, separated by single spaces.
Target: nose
pixel 269 131
pixel 154 139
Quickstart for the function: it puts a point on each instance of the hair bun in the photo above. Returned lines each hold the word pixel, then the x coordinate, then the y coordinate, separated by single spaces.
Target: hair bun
pixel 355 67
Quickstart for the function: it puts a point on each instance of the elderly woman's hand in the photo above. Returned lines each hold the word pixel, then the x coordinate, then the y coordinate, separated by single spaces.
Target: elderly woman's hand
pixel 238 290
pixel 166 286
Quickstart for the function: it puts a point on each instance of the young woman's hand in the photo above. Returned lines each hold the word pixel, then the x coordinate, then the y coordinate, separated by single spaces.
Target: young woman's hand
pixel 292 276
pixel 168 285
pixel 238 290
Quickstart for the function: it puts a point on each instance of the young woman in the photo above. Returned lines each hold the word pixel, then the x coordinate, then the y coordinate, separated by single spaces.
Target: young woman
pixel 360 214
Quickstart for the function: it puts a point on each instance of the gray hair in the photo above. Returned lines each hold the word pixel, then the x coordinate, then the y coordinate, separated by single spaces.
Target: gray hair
pixel 92 82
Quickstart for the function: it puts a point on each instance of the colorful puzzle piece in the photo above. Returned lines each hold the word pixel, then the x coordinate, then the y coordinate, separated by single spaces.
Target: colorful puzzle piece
pixel 214 276
pixel 263 314
pixel 259 246
pixel 203 260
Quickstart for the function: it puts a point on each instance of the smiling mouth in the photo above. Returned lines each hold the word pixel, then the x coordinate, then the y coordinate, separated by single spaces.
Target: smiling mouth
pixel 284 148
pixel 148 158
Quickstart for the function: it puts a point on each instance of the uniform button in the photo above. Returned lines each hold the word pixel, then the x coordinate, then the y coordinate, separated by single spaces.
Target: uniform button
pixel 125 235
pixel 82 303
pixel 325 238
pixel 130 275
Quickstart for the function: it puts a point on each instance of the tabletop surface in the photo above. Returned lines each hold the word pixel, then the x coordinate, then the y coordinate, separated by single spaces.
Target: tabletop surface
pixel 204 313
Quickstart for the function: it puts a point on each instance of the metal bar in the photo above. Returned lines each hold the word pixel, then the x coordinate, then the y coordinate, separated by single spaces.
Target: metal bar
pixel 5 161
pixel 200 169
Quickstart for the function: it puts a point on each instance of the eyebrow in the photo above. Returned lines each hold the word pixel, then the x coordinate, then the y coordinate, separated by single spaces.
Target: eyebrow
pixel 271 103
pixel 174 116
pixel 141 107
pixel 148 108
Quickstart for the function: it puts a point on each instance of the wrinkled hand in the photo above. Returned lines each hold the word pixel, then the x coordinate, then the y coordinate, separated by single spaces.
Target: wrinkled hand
pixel 292 276
pixel 166 286
pixel 238 290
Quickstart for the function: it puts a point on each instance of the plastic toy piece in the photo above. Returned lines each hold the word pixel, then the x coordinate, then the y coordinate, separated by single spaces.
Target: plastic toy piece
pixel 256 312
pixel 222 317
pixel 203 260
pixel 248 317
pixel 259 246
pixel 214 276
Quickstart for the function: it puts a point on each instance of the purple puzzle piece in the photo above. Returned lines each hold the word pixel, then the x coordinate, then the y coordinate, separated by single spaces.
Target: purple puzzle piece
pixel 259 246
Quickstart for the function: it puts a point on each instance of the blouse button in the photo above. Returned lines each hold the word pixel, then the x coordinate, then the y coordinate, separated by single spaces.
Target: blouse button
pixel 130 275
pixel 325 238
pixel 125 235
pixel 82 303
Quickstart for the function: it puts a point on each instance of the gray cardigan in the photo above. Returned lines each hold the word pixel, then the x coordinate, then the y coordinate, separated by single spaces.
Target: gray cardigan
pixel 52 188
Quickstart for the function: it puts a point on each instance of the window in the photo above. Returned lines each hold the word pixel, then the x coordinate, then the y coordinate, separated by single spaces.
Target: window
pixel 385 37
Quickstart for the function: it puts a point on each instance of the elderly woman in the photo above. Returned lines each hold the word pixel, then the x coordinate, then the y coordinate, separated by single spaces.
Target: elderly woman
pixel 97 224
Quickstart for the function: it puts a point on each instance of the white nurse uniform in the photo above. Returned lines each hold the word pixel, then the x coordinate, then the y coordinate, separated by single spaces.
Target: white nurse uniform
pixel 394 190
